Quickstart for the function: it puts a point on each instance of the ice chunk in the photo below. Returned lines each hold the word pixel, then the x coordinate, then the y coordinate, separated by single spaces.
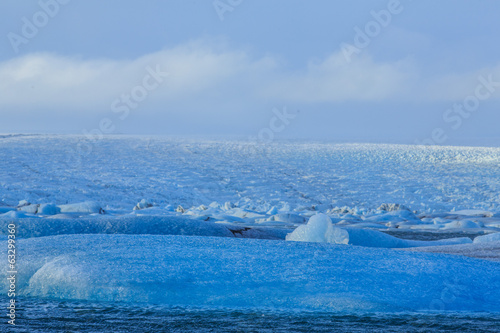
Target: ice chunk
pixel 392 207
pixel 228 205
pixel 272 211
pixel 319 229
pixel 462 224
pixel 23 203
pixel 286 208
pixel 30 209
pixel 215 204
pixel 88 207
pixel 48 209
pixel 143 204
pixel 495 237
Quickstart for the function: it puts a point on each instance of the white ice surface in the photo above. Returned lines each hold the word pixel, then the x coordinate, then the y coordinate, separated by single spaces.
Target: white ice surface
pixel 119 171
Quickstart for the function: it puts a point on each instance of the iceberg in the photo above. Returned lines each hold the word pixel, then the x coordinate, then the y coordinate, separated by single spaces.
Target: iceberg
pixel 319 229
pixel 248 273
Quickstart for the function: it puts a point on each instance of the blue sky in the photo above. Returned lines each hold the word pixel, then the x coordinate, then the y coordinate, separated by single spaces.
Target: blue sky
pixel 421 71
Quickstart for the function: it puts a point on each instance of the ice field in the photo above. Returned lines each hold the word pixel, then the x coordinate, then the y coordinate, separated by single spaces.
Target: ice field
pixel 240 225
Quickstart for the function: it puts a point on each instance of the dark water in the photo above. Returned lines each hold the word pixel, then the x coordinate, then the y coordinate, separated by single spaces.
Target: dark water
pixel 54 316
pixel 429 235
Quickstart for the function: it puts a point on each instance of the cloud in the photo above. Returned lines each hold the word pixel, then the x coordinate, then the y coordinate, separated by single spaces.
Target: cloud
pixel 457 86
pixel 195 69
pixel 204 74
pixel 40 80
pixel 44 79
pixel 335 80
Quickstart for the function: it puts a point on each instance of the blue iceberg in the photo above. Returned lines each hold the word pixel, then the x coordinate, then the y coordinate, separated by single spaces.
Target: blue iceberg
pixel 249 273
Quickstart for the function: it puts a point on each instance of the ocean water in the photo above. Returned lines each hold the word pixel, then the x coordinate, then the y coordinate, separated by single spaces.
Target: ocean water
pixel 37 315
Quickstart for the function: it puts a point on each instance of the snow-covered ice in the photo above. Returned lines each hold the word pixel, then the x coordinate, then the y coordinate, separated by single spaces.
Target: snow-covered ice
pixel 118 172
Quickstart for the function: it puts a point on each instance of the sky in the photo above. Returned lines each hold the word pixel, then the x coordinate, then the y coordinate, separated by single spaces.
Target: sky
pixel 419 72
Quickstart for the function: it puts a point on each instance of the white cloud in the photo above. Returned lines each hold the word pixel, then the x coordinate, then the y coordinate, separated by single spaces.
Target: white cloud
pixel 202 73
pixel 40 80
pixel 48 80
